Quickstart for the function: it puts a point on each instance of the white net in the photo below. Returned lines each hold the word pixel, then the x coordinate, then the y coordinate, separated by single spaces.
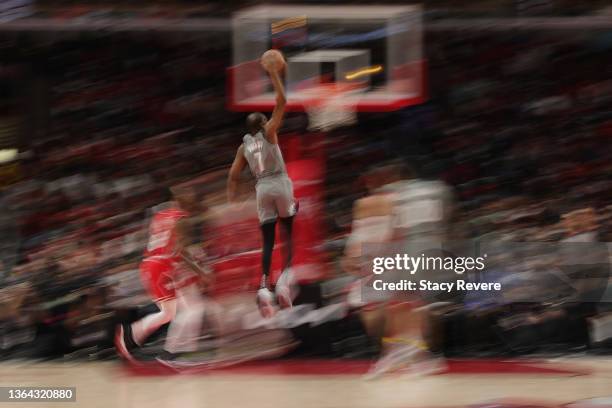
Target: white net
pixel 330 110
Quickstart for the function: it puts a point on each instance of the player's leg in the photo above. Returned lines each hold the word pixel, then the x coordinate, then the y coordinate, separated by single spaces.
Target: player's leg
pixel 157 275
pixel 266 211
pixel 185 329
pixel 404 346
pixel 287 208
pixel 145 327
pixel 265 299
pixel 286 282
pixel 286 230
pixel 131 336
pixel 397 323
pixel 268 235
pixel 156 278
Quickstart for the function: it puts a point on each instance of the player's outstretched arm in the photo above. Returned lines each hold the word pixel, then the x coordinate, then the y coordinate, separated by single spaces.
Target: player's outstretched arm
pixel 276 120
pixel 234 174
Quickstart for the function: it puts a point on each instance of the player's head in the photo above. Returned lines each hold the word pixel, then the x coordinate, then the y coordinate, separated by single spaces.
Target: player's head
pixel 186 198
pixel 255 122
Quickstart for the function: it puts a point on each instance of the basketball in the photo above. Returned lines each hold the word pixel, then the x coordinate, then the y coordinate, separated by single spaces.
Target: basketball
pixel 273 60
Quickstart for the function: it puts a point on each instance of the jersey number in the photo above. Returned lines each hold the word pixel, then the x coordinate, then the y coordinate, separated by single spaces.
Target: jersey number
pixel 258 156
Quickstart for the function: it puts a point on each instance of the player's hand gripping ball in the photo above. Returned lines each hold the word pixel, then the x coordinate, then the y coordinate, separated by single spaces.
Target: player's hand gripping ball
pixel 273 61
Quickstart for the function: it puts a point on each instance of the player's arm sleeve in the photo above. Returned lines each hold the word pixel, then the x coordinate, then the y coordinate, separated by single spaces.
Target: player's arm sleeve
pixel 276 120
pixel 234 174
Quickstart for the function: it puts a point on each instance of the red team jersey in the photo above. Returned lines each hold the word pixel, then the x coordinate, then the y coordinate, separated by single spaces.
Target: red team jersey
pixel 162 235
pixel 159 269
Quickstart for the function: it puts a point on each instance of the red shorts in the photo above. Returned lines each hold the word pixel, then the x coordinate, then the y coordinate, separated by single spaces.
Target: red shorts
pixel 157 277
pixel 163 276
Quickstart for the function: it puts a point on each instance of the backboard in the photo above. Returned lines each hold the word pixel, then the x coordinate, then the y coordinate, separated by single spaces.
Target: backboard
pixel 377 49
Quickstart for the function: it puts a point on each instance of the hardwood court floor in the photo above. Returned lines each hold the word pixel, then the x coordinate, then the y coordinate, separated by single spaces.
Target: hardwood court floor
pixel 286 385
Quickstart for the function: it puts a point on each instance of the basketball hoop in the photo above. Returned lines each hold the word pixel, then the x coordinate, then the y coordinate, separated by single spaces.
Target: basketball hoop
pixel 328 107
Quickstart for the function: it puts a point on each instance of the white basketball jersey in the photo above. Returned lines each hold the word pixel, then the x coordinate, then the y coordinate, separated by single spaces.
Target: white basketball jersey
pixel 265 159
pixel 376 229
pixel 421 207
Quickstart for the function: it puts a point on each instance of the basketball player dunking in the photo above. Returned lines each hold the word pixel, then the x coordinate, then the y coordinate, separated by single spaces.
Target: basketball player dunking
pixel 274 189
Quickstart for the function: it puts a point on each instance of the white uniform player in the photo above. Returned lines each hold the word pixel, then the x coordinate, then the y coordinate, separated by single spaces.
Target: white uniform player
pixel 421 211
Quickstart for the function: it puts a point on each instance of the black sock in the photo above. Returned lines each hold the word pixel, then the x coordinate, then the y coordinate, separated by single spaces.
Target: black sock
pixel 267 231
pixel 129 337
pixel 287 237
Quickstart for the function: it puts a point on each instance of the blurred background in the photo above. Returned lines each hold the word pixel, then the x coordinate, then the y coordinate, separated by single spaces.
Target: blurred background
pixel 104 105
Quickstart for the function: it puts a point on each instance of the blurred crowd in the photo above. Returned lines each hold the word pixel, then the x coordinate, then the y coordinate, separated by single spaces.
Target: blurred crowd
pixel 197 9
pixel 517 124
pixel 116 139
